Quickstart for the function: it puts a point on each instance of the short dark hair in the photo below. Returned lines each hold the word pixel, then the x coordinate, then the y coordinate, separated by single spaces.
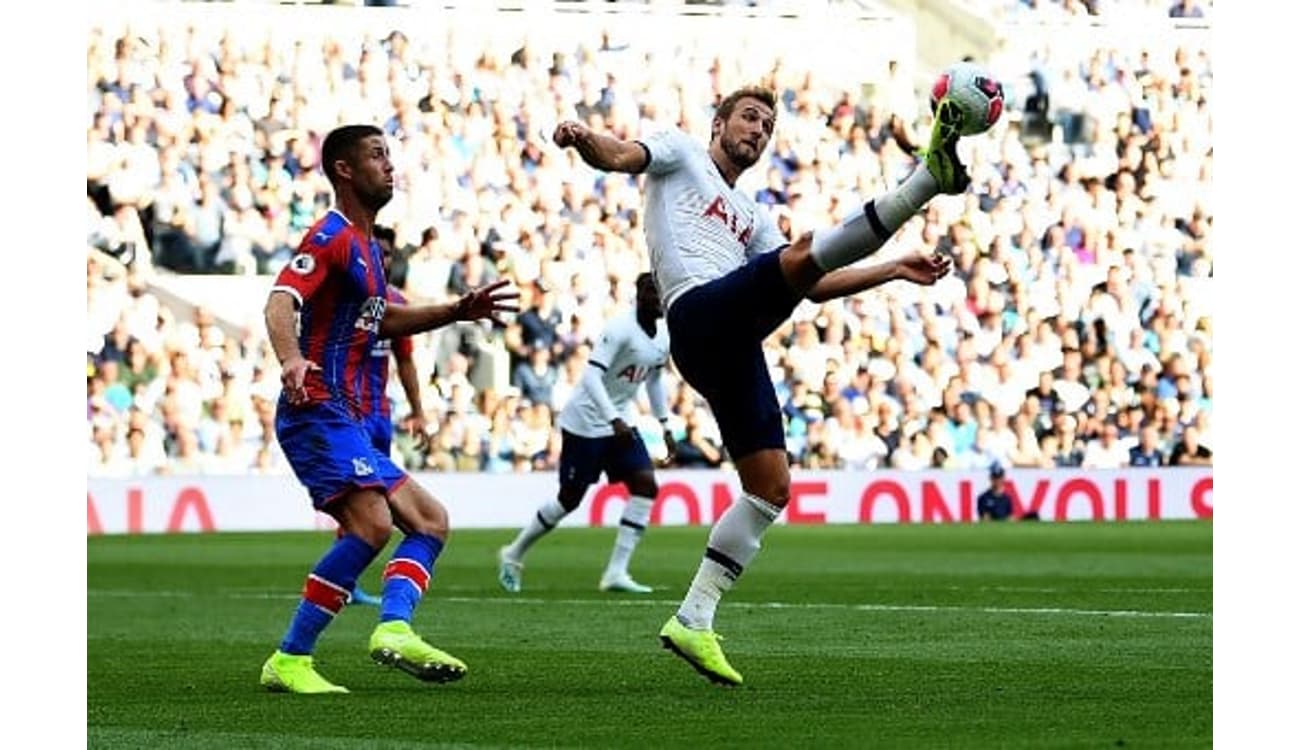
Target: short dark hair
pixel 386 233
pixel 728 104
pixel 643 277
pixel 340 143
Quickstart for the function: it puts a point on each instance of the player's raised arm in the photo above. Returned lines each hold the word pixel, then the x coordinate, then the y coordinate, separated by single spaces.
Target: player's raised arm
pixel 919 266
pixel 602 151
pixel 485 302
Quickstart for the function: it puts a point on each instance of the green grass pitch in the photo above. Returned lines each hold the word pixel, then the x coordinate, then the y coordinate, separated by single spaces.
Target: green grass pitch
pixel 954 636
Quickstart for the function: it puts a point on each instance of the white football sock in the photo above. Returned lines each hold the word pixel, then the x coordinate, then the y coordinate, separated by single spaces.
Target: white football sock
pixel 732 544
pixel 636 515
pixel 865 233
pixel 547 516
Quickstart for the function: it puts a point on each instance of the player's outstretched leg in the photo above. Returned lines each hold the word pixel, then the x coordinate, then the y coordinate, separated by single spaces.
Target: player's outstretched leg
pixel 862 234
pixel 940 156
pixel 393 642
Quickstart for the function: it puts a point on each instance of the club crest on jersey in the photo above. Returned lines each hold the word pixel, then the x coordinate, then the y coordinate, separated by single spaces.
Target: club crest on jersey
pixel 718 210
pixel 303 263
pixel 372 314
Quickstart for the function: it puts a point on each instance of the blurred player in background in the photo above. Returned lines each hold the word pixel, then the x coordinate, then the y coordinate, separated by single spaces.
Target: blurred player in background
pixel 633 349
pixel 729 278
pixel 328 307
pixel 380 418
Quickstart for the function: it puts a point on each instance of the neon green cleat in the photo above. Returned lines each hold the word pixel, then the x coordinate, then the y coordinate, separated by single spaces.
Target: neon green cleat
pixel 941 157
pixel 700 649
pixel 510 573
pixel 293 673
pixel 394 644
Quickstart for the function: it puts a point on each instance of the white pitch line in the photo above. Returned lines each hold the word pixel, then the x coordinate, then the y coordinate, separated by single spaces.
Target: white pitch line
pixel 516 600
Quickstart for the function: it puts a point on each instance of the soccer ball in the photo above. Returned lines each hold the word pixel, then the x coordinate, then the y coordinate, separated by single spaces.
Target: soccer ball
pixel 977 94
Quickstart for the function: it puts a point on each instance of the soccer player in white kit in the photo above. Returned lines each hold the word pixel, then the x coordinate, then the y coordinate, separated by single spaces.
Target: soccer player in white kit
pixel 632 350
pixel 729 278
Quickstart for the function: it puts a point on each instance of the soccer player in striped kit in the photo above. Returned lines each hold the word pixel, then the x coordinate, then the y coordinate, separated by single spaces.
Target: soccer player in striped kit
pixel 328 307
pixel 729 278
pixel 633 349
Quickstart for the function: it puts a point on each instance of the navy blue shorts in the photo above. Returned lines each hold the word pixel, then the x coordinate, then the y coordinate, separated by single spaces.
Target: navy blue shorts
pixel 716 332
pixel 583 459
pixel 332 453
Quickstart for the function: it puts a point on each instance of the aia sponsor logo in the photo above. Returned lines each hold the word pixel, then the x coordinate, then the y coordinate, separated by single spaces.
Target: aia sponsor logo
pixel 730 219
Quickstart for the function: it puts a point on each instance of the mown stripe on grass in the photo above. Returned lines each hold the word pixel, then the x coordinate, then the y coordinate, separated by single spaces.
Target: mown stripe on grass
pixel 866 607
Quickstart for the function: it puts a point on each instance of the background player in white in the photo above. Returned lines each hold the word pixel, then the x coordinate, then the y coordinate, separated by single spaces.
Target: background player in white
pixel 632 350
pixel 729 278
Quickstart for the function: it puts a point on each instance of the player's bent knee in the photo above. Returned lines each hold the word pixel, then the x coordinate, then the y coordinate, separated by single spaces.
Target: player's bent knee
pixel 644 486
pixel 419 512
pixel 374 528
pixel 570 497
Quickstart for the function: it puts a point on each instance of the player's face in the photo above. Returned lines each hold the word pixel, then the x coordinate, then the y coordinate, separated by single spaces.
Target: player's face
pixel 387 248
pixel 746 132
pixel 647 297
pixel 372 172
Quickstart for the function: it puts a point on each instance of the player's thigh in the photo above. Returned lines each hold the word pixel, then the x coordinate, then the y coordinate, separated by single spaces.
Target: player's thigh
pixel 745 407
pixel 417 511
pixel 582 459
pixel 630 464
pixel 748 303
pixel 330 453
pixel 364 513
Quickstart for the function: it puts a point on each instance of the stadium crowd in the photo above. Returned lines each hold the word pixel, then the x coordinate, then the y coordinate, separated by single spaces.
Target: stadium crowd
pixel 1075 329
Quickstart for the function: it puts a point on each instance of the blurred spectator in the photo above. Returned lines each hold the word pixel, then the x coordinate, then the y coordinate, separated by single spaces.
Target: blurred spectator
pixel 1189 451
pixel 1106 452
pixel 698 450
pixel 1147 452
pixel 994 503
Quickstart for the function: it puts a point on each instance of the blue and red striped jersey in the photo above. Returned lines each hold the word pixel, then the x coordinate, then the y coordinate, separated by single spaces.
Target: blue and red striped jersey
pixel 337 277
pixel 377 401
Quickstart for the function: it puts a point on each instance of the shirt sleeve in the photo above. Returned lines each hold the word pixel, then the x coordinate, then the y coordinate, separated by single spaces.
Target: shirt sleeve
pixel 667 150
pixel 654 390
pixel 403 347
pixel 607 346
pixel 593 379
pixel 307 270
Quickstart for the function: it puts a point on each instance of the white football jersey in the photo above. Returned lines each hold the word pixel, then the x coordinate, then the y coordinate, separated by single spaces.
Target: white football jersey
pixel 698 228
pixel 629 356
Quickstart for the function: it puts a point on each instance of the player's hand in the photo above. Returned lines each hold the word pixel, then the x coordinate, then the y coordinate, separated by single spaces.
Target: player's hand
pixel 293 378
pixel 420 430
pixel 924 267
pixel 670 446
pixel 487 302
pixel 568 133
pixel 622 432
